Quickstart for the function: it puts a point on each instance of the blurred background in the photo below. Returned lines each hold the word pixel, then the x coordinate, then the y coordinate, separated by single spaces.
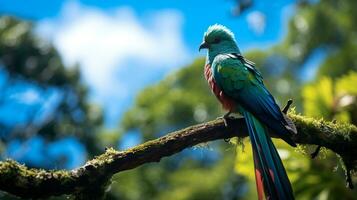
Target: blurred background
pixel 77 76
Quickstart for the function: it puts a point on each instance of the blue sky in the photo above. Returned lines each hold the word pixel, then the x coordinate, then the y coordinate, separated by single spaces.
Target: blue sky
pixel 122 46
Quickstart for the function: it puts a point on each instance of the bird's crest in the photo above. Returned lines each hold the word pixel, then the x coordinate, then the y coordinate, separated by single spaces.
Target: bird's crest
pixel 218 29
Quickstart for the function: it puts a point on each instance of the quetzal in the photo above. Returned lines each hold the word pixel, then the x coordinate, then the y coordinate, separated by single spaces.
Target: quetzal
pixel 239 87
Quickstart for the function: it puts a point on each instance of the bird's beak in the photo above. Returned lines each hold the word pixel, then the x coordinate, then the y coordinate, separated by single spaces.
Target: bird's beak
pixel 203 45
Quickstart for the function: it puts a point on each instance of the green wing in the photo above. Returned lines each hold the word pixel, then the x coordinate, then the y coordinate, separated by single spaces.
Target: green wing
pixel 233 75
pixel 242 82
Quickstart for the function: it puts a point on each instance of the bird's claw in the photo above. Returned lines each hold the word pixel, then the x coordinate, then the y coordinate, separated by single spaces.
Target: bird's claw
pixel 225 118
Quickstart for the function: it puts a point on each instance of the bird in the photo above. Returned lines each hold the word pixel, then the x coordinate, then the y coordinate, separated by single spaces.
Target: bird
pixel 239 87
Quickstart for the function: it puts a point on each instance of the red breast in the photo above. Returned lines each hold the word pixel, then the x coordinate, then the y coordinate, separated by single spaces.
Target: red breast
pixel 226 101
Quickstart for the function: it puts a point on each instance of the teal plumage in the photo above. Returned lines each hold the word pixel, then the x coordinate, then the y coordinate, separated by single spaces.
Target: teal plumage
pixel 239 87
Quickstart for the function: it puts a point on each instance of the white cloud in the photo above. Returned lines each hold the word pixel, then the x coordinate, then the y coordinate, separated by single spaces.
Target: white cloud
pixel 103 43
pixel 257 22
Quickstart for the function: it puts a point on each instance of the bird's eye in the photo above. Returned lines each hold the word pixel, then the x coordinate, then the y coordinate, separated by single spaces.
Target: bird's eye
pixel 217 40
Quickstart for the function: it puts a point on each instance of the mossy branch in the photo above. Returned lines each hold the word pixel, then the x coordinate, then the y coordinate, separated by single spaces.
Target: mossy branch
pixel 94 176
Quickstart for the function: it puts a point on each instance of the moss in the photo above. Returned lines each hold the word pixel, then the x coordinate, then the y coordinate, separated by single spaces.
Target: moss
pixel 310 125
pixel 105 158
pixel 11 169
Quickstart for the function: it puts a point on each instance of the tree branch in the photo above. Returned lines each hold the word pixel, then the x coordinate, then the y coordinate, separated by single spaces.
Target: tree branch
pixel 95 174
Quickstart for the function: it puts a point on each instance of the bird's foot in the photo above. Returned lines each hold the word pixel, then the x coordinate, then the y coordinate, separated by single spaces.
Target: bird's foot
pixel 225 121
pixel 225 118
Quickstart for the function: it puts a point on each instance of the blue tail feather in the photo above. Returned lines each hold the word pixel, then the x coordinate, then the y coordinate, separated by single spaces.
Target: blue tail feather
pixel 268 166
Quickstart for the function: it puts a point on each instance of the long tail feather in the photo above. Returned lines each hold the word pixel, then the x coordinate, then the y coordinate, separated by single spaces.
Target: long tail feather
pixel 271 178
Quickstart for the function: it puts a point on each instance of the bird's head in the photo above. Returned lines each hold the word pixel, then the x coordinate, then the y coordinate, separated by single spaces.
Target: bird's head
pixel 218 39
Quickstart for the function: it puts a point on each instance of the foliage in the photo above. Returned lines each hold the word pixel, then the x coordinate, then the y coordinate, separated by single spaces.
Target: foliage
pixel 332 99
pixel 57 106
